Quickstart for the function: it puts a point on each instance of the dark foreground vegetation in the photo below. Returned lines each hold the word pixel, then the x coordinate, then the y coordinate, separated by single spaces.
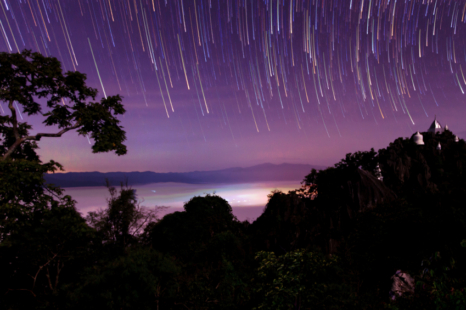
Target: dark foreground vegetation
pixel 335 243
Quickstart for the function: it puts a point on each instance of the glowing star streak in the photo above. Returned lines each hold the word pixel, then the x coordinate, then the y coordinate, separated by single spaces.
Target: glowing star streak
pixel 161 93
pixel 97 69
pixel 202 90
pixel 5 36
pixel 166 86
pixel 182 60
pixel 256 49
pixel 8 23
pixel 68 35
pixel 42 16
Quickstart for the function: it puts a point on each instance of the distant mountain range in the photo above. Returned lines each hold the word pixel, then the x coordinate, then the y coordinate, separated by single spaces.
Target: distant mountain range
pixel 264 172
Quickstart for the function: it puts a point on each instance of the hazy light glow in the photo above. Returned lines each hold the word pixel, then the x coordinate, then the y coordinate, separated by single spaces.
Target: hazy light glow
pixel 175 195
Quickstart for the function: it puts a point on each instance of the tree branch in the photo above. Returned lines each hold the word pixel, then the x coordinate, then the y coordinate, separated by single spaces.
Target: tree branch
pixel 12 148
pixel 36 137
pixel 40 268
pixel 20 289
pixel 52 135
pixel 182 304
pixel 48 278
pixel 58 272
pixel 14 120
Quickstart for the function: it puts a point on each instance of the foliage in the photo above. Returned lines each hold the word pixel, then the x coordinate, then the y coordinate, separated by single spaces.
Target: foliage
pixel 26 150
pixel 40 250
pixel 365 160
pixel 24 182
pixel 440 284
pixel 185 233
pixel 44 241
pixel 323 181
pixel 123 222
pixel 439 279
pixel 42 236
pixel 287 223
pixel 23 171
pixel 140 279
pixel 123 257
pixel 415 170
pixel 299 280
pixel 27 79
pixel 209 244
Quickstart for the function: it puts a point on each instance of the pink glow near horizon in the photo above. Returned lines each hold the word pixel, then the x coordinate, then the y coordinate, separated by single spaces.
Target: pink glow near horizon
pixel 250 197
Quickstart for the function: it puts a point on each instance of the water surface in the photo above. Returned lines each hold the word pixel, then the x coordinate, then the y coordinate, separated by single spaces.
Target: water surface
pixel 247 199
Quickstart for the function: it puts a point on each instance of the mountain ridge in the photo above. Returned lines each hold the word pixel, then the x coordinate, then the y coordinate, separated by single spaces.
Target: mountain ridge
pixel 257 173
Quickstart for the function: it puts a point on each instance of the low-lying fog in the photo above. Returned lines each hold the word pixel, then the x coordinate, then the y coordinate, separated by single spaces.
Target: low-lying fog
pixel 247 199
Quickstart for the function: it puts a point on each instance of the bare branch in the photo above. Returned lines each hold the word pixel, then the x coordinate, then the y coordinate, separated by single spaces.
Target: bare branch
pixel 178 303
pixel 48 278
pixel 36 137
pixel 40 268
pixel 147 216
pixel 58 272
pixel 20 289
pixel 52 135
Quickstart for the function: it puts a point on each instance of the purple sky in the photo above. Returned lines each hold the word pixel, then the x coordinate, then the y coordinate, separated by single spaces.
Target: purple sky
pixel 297 81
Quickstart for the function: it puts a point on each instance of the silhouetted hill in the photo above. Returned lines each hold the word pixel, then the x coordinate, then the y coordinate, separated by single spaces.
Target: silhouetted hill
pixel 290 222
pixel 264 172
pixel 420 200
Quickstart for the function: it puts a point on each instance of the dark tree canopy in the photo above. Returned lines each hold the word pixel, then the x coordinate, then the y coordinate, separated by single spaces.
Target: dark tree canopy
pixel 122 223
pixel 333 244
pixel 36 85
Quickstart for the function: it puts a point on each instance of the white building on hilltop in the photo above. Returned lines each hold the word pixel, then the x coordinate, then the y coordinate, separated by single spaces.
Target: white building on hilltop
pixel 435 127
pixel 418 139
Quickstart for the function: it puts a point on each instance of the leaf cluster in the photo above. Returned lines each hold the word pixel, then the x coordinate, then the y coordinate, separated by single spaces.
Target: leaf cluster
pixel 36 85
pixel 299 280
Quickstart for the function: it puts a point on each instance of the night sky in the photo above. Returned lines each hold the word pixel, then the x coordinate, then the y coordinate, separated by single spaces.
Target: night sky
pixel 211 84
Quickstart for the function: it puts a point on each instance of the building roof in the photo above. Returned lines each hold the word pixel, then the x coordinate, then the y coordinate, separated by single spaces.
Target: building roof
pixel 435 126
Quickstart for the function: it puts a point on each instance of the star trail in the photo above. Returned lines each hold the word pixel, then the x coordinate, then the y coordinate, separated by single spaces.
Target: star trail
pixel 238 68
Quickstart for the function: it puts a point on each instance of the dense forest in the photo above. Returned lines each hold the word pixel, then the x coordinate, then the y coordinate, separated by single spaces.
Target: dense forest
pixel 334 243
pixel 378 230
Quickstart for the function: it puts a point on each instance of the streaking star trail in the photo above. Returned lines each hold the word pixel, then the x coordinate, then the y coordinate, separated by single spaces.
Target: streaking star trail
pixel 310 65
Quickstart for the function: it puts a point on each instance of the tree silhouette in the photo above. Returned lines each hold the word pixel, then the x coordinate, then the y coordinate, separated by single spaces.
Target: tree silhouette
pixel 42 236
pixel 28 79
pixel 125 219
